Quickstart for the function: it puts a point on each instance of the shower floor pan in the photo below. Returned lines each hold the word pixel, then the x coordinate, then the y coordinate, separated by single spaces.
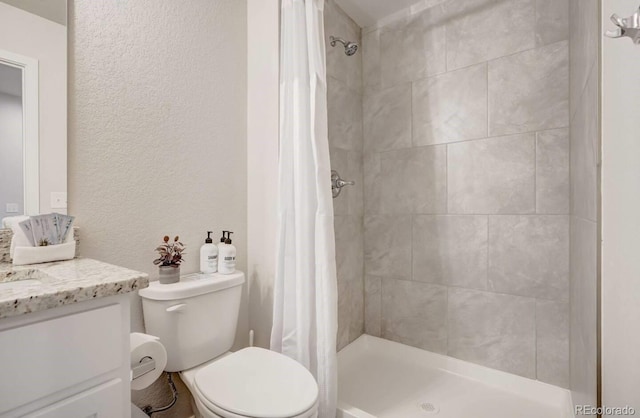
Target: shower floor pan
pixel 382 379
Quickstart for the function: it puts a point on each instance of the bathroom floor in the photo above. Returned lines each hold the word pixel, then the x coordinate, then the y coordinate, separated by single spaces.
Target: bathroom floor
pixel 412 383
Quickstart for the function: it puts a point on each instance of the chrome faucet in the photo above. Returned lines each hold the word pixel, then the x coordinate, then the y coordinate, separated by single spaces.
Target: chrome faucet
pixel 629 27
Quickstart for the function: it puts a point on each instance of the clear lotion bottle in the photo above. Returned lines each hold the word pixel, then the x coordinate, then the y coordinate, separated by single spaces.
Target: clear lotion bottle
pixel 227 256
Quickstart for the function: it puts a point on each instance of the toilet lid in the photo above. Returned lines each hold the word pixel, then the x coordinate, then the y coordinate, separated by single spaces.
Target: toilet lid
pixel 259 383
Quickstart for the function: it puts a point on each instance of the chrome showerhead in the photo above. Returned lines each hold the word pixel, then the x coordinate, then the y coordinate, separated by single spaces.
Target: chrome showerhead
pixel 350 48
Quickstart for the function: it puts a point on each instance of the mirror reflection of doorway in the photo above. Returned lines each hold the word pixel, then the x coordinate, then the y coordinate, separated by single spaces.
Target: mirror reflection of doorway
pixel 11 141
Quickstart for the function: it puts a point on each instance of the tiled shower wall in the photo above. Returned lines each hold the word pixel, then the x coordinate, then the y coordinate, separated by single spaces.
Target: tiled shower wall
pixel 344 84
pixel 466 170
pixel 585 143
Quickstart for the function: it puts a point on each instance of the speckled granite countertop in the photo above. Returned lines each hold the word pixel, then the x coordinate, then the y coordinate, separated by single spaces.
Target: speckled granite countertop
pixel 25 289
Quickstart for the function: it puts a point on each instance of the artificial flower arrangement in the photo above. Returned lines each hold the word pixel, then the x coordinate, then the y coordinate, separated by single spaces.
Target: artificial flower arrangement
pixel 169 260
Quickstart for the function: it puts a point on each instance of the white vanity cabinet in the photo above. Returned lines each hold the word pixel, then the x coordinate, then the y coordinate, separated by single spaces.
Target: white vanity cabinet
pixel 67 362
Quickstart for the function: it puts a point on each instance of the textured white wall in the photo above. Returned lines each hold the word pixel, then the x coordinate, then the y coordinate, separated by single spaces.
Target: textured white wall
pixel 157 138
pixel 33 36
pixel 263 36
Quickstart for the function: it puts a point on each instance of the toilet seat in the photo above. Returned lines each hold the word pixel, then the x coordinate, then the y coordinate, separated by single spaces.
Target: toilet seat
pixel 256 383
pixel 213 411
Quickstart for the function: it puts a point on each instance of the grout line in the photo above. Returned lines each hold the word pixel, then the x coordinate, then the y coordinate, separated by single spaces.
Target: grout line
pixel 462 141
pixel 455 286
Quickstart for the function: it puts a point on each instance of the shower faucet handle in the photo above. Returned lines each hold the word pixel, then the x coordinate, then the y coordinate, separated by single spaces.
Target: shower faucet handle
pixel 337 183
pixel 342 183
pixel 629 27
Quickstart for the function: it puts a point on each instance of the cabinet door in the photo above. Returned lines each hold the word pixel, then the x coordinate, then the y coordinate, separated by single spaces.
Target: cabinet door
pixel 46 357
pixel 104 401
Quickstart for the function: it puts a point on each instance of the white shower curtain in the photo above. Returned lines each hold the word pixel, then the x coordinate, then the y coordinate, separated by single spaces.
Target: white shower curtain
pixel 305 291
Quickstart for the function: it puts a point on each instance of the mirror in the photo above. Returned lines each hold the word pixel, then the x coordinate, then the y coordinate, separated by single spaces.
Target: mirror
pixel 33 107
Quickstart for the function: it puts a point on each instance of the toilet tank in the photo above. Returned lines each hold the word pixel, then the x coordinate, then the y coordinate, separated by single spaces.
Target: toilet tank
pixel 195 318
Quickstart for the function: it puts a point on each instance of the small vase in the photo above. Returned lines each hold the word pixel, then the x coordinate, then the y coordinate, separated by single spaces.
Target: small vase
pixel 169 274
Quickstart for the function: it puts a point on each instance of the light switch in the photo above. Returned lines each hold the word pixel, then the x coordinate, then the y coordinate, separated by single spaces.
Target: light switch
pixel 12 208
pixel 58 200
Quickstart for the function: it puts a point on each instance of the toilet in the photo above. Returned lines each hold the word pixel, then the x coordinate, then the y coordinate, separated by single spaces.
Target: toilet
pixel 196 321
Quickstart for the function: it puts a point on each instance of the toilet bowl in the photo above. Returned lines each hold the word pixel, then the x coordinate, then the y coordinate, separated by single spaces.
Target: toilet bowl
pixel 196 320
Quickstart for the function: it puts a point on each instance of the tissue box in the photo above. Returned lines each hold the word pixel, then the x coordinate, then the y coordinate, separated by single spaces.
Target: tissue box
pixel 35 255
pixel 23 253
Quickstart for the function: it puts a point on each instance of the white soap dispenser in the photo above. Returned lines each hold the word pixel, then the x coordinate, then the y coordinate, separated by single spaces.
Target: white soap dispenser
pixel 208 255
pixel 227 256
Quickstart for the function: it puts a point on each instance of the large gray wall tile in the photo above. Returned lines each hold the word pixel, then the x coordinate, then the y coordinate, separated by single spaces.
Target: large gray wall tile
pixel 354 194
pixel 585 34
pixel 529 255
pixel 552 171
pixel 584 370
pixel 552 342
pixel 450 107
pixel 350 311
pixel 372 305
pixel 481 30
pixel 552 21
pixel 528 91
pixel 387 245
pixel 493 330
pixel 387 118
pixel 413 50
pixel 371 76
pixel 349 247
pixel 450 250
pixel 584 154
pixel 415 314
pixel 372 176
pixel 492 176
pixel 339 65
pixel 584 315
pixel 350 271
pixel 413 180
pixel 344 108
pixel 345 295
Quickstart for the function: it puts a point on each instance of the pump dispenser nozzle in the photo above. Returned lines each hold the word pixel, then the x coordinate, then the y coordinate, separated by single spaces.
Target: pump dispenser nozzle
pixel 228 240
pixel 208 240
pixel 223 238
